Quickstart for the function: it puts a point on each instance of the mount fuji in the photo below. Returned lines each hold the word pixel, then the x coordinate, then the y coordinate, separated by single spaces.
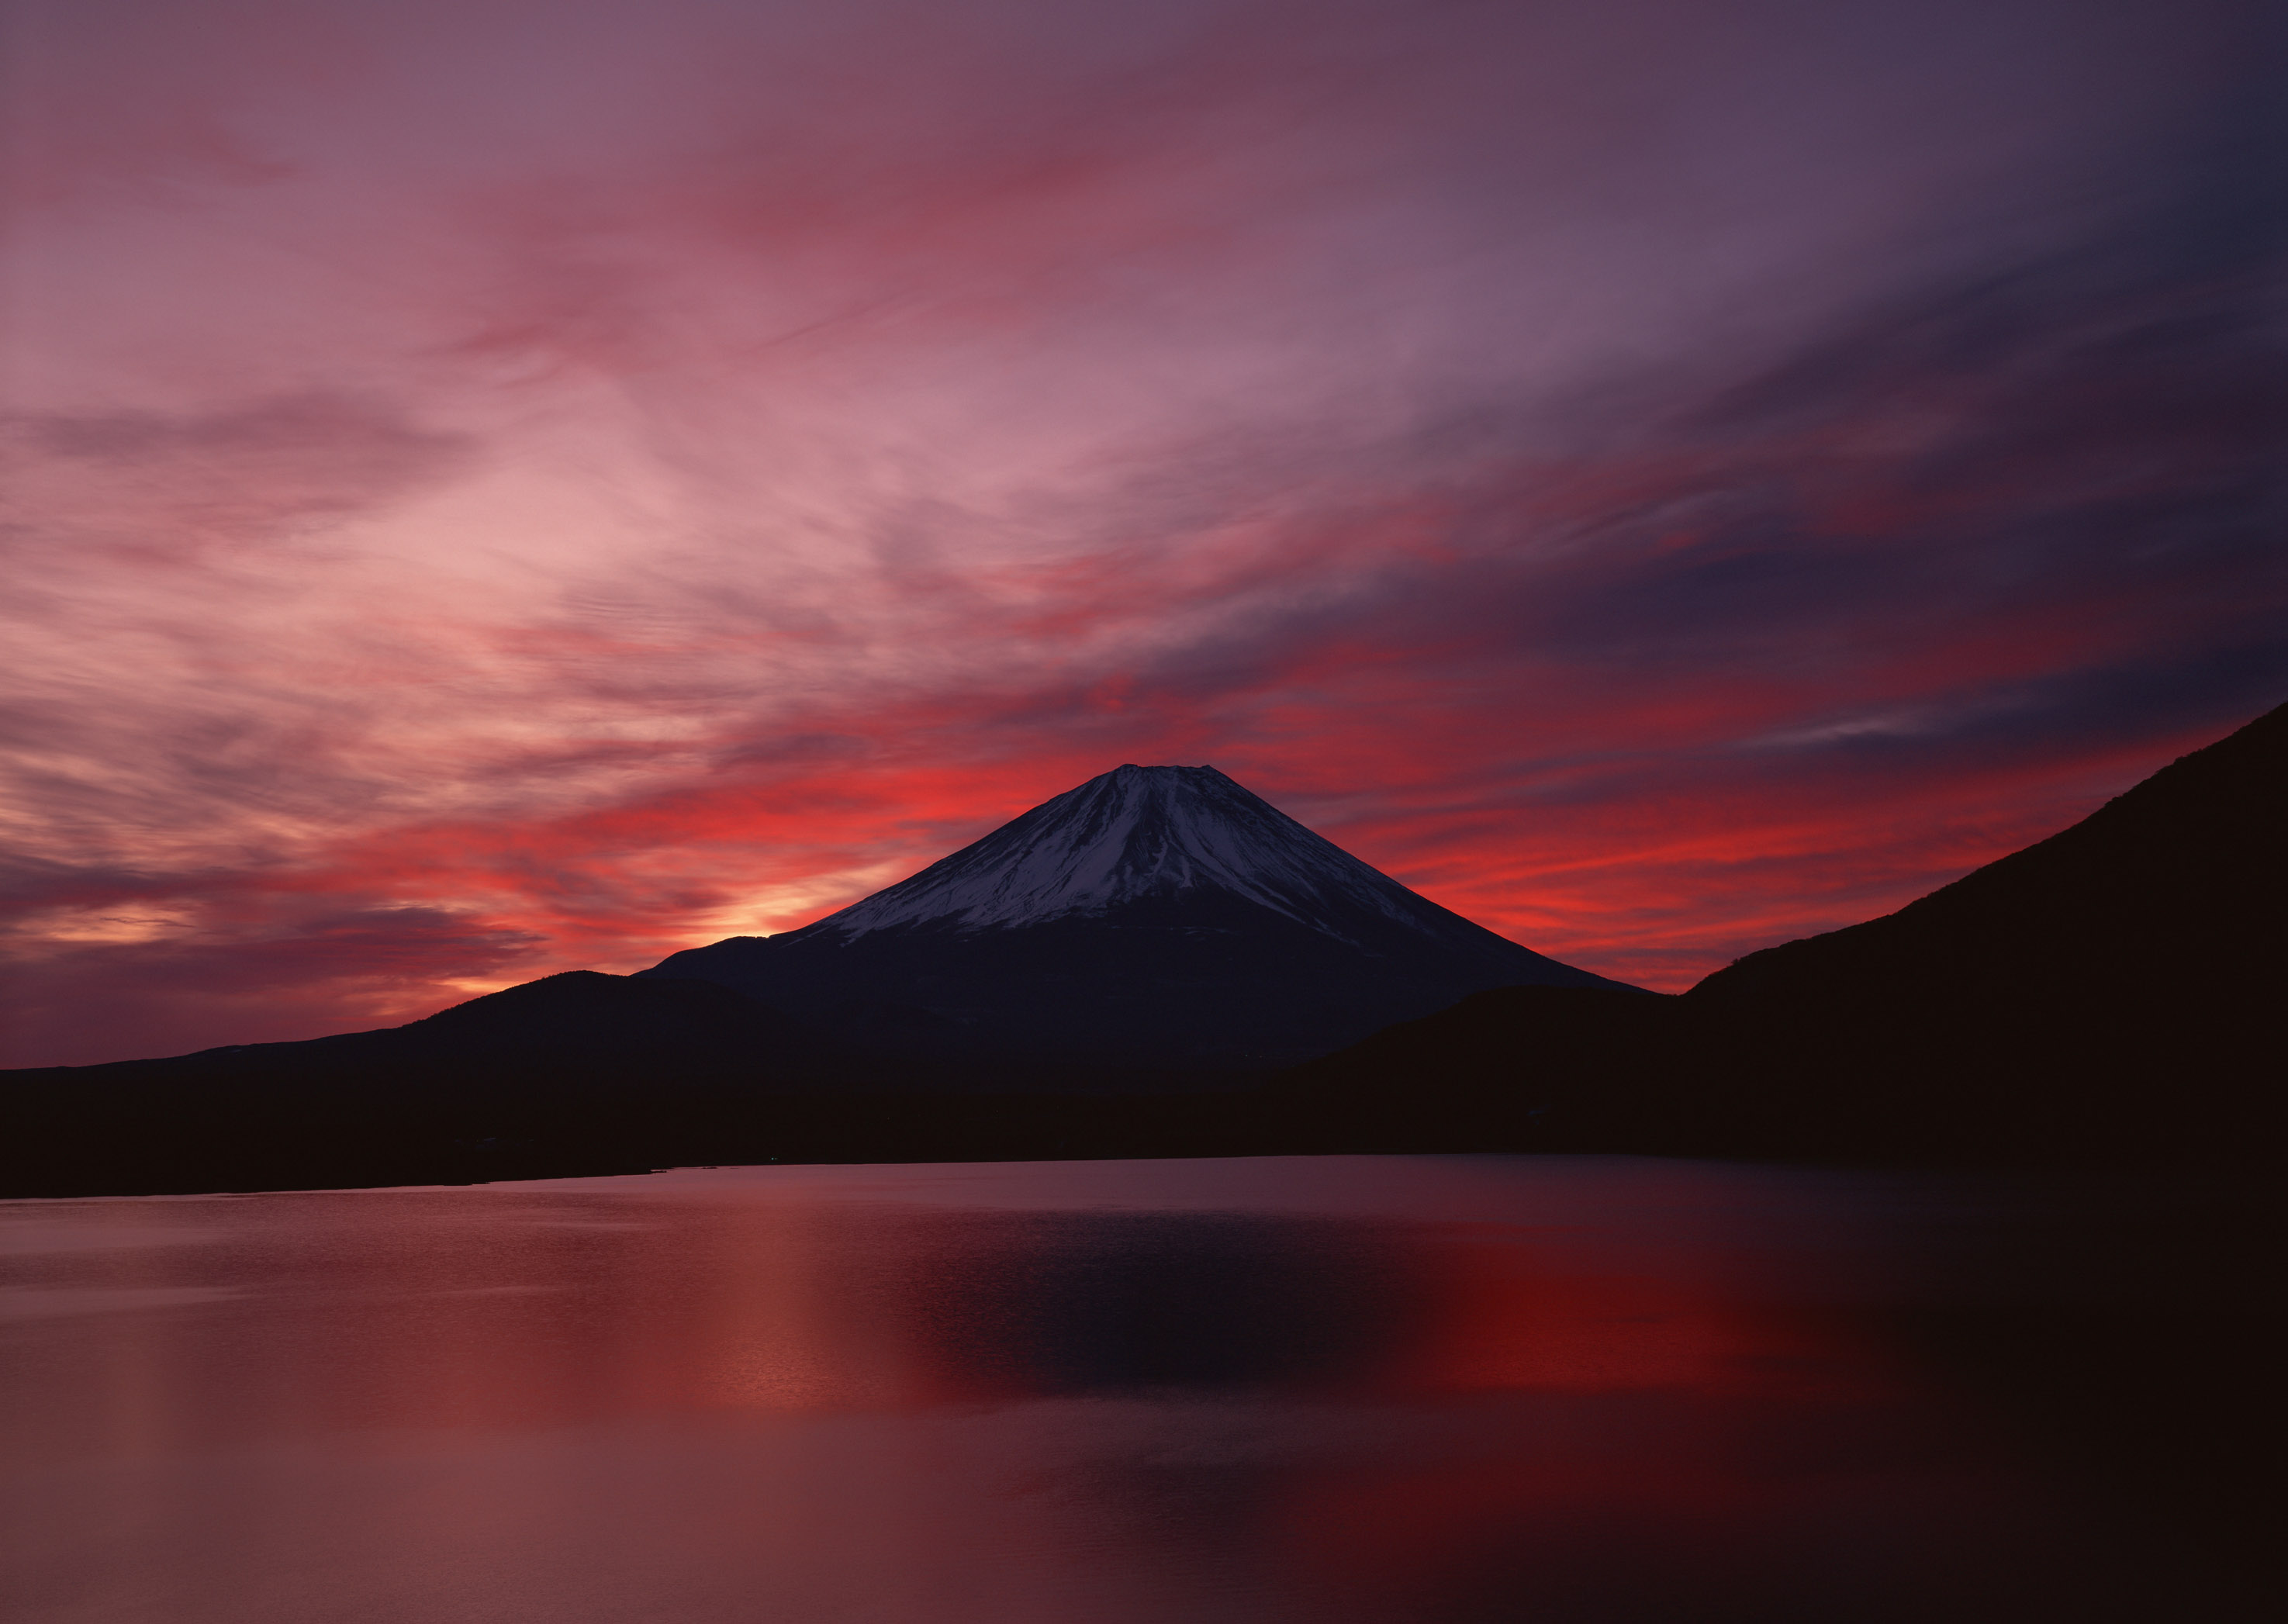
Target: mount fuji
pixel 1160 925
pixel 1153 918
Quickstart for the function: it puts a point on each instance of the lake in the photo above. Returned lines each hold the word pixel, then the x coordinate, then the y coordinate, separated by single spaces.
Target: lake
pixel 1326 1389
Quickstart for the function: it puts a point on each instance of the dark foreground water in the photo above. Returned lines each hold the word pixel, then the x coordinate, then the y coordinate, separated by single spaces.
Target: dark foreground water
pixel 1313 1390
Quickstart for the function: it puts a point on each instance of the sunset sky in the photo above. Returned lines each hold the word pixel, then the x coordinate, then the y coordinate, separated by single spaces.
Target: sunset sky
pixel 497 487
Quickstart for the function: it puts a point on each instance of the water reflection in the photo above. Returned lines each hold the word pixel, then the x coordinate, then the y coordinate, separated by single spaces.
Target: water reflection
pixel 1333 1390
pixel 1037 1304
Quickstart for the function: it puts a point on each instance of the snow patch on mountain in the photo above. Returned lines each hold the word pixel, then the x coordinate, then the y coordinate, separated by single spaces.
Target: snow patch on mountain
pixel 1130 834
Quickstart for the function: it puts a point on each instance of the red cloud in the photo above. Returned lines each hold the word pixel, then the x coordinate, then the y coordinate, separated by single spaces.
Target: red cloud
pixel 713 467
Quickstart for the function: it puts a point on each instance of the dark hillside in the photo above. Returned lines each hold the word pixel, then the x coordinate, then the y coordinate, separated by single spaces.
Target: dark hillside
pixel 2112 995
pixel 577 1072
pixel 1518 1068
pixel 2115 991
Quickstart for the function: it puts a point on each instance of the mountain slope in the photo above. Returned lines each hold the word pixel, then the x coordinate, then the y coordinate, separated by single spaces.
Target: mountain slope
pixel 2120 983
pixel 1154 917
pixel 2112 994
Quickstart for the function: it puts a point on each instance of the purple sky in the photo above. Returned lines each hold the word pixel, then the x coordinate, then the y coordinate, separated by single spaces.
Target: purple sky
pixel 494 489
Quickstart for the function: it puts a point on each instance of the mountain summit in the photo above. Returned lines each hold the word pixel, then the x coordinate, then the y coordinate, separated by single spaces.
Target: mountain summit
pixel 1154 916
pixel 1142 833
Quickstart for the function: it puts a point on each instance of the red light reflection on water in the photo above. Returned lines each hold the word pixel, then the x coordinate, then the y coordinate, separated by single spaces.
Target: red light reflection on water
pixel 791 1401
pixel 787 1308
pixel 1621 1443
pixel 1508 1312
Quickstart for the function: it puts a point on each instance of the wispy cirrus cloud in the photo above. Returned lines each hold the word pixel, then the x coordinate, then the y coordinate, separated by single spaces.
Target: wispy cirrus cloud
pixel 497 492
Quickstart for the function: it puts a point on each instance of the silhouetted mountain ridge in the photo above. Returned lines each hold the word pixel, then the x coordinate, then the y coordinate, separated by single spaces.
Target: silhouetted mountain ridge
pixel 1152 920
pixel 2107 995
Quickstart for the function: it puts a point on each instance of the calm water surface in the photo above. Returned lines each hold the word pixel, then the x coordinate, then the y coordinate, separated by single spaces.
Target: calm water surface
pixel 1324 1389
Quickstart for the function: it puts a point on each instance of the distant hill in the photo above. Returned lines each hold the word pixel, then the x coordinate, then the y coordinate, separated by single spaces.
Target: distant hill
pixel 574 1073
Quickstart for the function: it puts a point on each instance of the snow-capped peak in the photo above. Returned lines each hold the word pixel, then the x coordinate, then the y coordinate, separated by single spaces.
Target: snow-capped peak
pixel 1129 833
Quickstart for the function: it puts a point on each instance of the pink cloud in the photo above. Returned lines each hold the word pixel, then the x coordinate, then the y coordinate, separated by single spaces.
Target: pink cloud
pixel 500 490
